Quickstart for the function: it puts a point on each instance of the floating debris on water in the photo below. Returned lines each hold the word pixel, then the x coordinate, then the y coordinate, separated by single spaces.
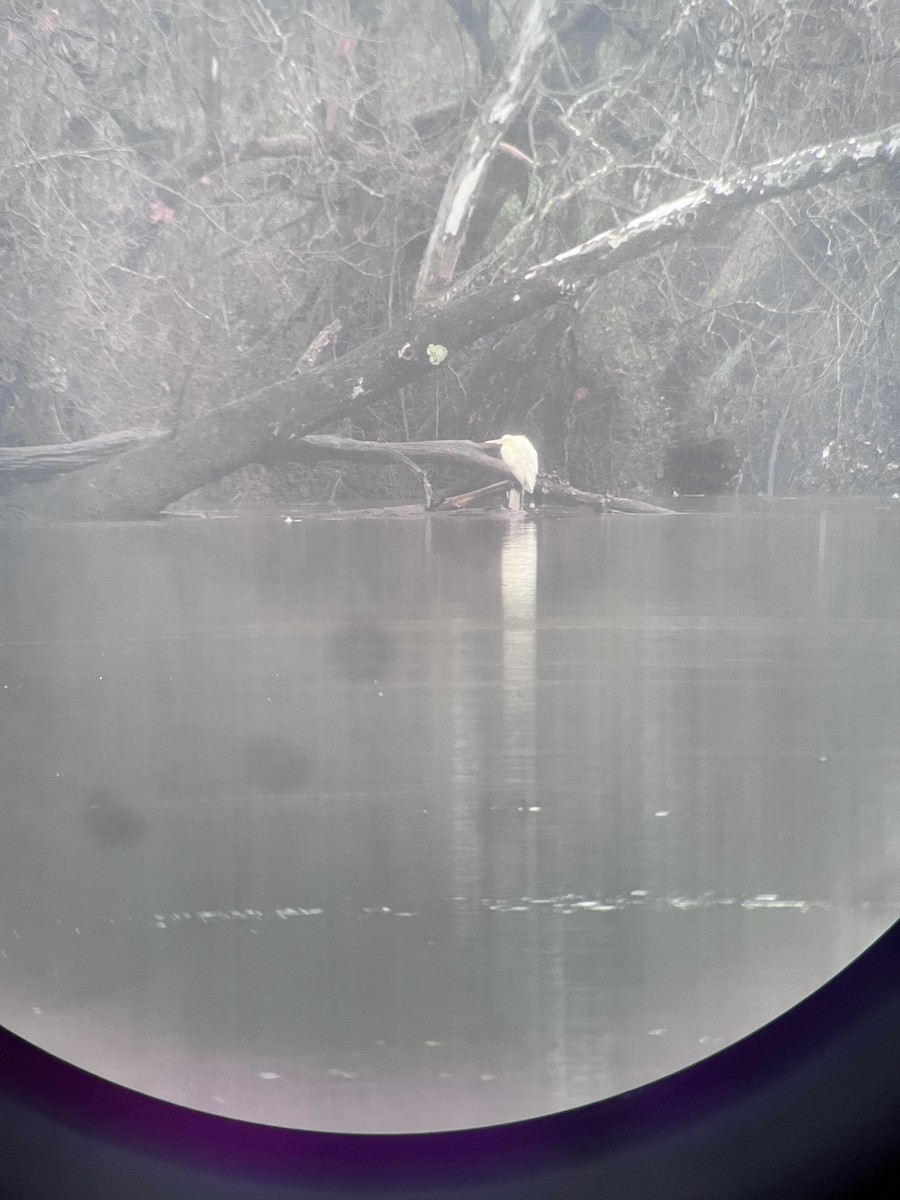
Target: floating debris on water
pixel 566 904
pixel 640 898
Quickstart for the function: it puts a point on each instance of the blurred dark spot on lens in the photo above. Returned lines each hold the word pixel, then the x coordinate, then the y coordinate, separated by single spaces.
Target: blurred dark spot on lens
pixel 276 768
pixel 110 822
pixel 363 652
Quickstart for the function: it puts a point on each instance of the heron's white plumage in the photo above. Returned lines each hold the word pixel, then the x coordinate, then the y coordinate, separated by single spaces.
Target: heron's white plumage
pixel 520 456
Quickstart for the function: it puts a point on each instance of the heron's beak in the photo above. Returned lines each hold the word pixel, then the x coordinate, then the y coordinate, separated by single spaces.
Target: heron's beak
pixel 492 442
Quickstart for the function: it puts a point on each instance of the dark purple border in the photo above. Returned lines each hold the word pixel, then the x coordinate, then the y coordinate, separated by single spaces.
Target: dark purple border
pixel 805 1104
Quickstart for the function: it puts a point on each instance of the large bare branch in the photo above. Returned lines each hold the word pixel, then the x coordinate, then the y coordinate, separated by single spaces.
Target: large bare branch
pixel 32 463
pixel 143 482
pixel 448 234
pixel 696 210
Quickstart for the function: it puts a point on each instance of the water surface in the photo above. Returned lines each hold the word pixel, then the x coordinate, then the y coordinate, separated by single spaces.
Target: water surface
pixel 382 825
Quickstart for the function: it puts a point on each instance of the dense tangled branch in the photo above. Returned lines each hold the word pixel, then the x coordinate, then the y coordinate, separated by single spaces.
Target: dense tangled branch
pixel 148 479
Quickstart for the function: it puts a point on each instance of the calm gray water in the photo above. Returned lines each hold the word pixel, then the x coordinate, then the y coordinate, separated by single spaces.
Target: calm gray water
pixel 382 825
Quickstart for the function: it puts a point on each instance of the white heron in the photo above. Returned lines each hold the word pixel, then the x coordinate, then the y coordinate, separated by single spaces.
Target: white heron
pixel 522 459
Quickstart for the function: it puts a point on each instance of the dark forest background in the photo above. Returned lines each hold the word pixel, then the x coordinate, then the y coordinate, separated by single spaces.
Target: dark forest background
pixel 191 191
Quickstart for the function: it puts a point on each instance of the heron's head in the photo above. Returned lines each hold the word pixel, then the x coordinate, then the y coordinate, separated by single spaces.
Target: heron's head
pixel 500 441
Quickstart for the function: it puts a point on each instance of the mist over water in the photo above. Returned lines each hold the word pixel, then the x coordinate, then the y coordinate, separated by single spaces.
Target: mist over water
pixel 380 825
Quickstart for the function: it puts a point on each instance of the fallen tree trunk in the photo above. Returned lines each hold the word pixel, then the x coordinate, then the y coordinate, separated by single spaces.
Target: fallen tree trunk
pixel 35 463
pixel 449 452
pixel 318 447
pixel 563 493
pixel 557 493
pixel 31 464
